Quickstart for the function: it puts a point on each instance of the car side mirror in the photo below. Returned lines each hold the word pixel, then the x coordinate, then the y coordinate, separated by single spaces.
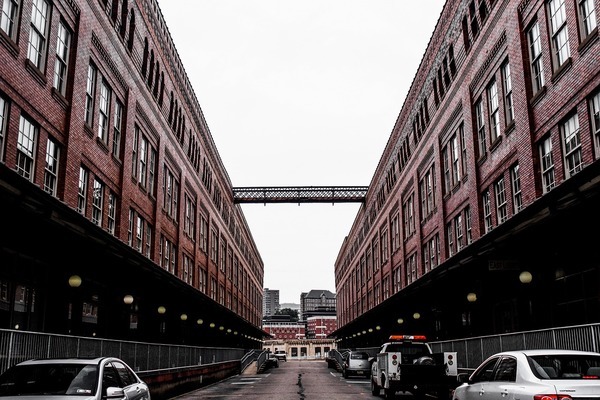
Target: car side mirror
pixel 463 378
pixel 114 393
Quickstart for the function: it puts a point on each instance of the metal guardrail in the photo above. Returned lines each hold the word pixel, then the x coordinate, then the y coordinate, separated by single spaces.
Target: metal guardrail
pixel 17 346
pixel 473 351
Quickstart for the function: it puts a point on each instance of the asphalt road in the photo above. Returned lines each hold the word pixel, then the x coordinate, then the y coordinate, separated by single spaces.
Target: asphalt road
pixel 292 380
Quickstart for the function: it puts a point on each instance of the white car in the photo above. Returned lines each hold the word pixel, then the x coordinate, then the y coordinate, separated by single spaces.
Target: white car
pixel 73 378
pixel 533 375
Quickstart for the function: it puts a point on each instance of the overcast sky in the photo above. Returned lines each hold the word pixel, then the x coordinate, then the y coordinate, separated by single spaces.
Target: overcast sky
pixel 300 93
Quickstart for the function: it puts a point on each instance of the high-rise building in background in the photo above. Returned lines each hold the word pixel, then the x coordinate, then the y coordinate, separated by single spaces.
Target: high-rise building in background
pixel 317 302
pixel 270 302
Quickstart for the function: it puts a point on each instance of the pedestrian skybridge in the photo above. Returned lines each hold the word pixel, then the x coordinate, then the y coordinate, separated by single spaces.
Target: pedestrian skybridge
pixel 300 194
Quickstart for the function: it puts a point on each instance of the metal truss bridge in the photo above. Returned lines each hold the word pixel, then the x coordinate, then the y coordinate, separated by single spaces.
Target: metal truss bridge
pixel 300 194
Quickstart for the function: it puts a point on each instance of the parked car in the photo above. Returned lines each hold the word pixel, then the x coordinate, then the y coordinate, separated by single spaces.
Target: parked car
pixel 280 355
pixel 356 363
pixel 77 378
pixel 533 375
pixel 271 361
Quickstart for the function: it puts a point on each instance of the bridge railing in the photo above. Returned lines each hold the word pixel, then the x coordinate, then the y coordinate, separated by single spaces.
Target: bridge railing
pixel 474 350
pixel 17 346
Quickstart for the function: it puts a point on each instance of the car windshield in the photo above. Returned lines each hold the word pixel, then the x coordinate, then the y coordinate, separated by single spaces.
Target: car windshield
pixel 565 366
pixel 49 380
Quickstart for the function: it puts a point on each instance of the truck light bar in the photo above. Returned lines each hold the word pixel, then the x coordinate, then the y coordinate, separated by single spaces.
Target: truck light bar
pixel 408 337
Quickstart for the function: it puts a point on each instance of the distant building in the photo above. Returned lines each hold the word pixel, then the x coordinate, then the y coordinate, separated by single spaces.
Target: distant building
pixel 270 301
pixel 319 327
pixel 281 327
pixel 317 302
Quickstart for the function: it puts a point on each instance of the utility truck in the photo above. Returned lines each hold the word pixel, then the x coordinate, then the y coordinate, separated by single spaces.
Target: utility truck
pixel 406 363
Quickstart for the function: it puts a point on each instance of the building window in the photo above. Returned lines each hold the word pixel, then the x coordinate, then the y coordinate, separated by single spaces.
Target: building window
pixel 559 31
pixel 214 246
pixel 82 192
pixel 411 268
pixel 487 211
pixel 516 189
pixel 431 253
pixel 10 18
pixel 188 270
pixel 480 121
pixel 572 146
pixel 384 245
pixel 26 143
pixel 450 239
pixel 112 212
pixel 493 105
pixel 189 224
pixel 427 193
pixel 587 17
pixel 375 249
pixel 168 255
pixel 594 114
pixel 3 119
pixel 458 232
pixel 535 57
pixel 501 202
pixel 509 112
pixel 97 202
pixel 36 51
pixel 408 212
pixel 171 193
pixel 547 165
pixel 468 225
pixel 61 65
pixel 117 127
pixel 89 94
pixel 143 154
pixel 452 161
pixel 51 169
pixel 103 119
pixel 202 280
pixel 203 234
pixel 395 229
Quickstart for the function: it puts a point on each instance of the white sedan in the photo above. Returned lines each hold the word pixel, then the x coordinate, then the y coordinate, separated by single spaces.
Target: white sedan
pixel 534 375
pixel 72 378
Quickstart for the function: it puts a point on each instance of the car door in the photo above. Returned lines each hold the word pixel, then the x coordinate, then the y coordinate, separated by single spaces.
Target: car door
pixel 502 385
pixel 476 388
pixel 133 388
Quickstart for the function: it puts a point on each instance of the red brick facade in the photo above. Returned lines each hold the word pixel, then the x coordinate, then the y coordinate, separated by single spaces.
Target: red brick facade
pixel 133 152
pixel 426 217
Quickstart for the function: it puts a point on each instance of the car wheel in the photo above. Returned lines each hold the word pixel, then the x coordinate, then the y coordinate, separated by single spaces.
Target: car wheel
pixel 374 388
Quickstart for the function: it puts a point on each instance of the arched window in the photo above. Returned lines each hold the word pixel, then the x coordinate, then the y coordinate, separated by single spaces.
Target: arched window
pixel 151 72
pixel 131 30
pixel 145 58
pixel 123 28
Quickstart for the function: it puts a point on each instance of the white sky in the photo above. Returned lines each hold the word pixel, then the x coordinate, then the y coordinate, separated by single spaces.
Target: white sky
pixel 295 93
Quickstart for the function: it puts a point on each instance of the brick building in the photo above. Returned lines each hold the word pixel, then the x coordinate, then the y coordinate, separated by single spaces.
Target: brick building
pixel 117 213
pixel 479 218
pixel 321 326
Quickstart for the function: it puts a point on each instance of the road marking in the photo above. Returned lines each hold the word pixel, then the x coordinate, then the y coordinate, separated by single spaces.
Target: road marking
pixel 243 383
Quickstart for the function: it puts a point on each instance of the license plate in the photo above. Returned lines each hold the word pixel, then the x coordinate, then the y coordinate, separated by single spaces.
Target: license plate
pixel 359 372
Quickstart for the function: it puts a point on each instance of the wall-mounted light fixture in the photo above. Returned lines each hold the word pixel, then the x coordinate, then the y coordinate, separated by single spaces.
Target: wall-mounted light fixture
pixel 74 281
pixel 525 277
